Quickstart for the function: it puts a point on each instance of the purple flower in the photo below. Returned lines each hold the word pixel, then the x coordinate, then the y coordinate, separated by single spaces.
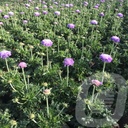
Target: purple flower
pixel 94 22
pixel 67 5
pixel 45 6
pixel 36 8
pixel 22 65
pixel 57 13
pixel 1 23
pixel 85 3
pixel 5 54
pixel 27 5
pixel 25 21
pixel 0 10
pixel 68 62
pixel 106 58
pixel 102 1
pixel 77 11
pixel 71 26
pixel 96 6
pixel 10 13
pixel 47 42
pixel 45 12
pixel 70 5
pixel 21 13
pixel 115 39
pixel 96 82
pixel 6 16
pixel 120 15
pixel 37 14
pixel 101 14
pixel 50 7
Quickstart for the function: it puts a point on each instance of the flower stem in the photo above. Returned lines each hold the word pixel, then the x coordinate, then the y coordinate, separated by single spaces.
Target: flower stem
pixel 47 59
pixel 7 64
pixel 93 92
pixel 47 106
pixel 24 78
pixel 67 74
pixel 103 72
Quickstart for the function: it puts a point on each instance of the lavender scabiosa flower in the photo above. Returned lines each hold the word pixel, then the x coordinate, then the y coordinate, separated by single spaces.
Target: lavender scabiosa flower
pixel 70 5
pixel 68 62
pixel 45 6
pixel 96 6
pixel 36 13
pixel 45 12
pixel 115 39
pixel 21 13
pixel 25 21
pixel 57 13
pixel 101 14
pixel 85 3
pixel 77 11
pixel 22 65
pixel 27 5
pixel 47 42
pixel 11 13
pixel 1 11
pixel 1 23
pixel 106 58
pixel 96 82
pixel 51 7
pixel 6 16
pixel 5 54
pixel 94 22
pixel 67 5
pixel 36 8
pixel 71 26
pixel 120 15
pixel 102 1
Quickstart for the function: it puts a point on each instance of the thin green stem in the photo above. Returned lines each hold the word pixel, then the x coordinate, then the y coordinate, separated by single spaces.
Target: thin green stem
pixel 24 78
pixel 7 65
pixel 103 72
pixel 93 92
pixel 47 59
pixel 67 75
pixel 47 106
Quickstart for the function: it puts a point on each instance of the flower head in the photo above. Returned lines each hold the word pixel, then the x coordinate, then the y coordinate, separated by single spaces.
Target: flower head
pixel 36 8
pixel 106 58
pixel 47 91
pixel 37 14
pixel 85 3
pixel 101 14
pixel 5 54
pixel 77 11
pixel 47 42
pixel 102 1
pixel 96 82
pixel 6 16
pixel 57 13
pixel 1 23
pixel 45 12
pixel 22 65
pixel 115 39
pixel 71 26
pixel 25 21
pixel 120 15
pixel 94 22
pixel 11 13
pixel 68 62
